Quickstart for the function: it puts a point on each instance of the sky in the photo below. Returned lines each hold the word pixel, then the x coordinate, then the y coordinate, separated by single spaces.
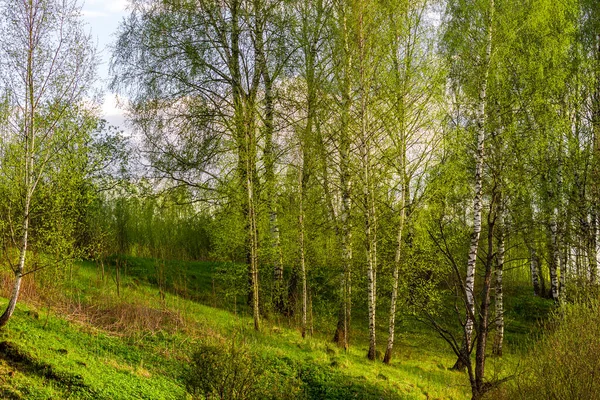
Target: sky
pixel 102 18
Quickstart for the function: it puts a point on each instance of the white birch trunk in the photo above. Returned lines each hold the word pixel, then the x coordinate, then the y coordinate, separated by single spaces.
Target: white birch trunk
pixel 371 234
pixel 397 260
pixel 302 255
pixel 14 297
pixel 499 299
pixel 369 192
pixel 253 251
pixel 477 200
pixel 534 268
pixel 342 334
pixel 592 250
pixel 372 276
pixel 564 267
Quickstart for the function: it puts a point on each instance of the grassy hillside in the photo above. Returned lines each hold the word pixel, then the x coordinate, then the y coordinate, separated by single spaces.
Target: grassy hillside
pixel 96 344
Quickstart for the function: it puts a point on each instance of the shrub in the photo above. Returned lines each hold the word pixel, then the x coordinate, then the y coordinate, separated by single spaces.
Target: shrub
pixel 565 362
pixel 229 371
pixel 223 372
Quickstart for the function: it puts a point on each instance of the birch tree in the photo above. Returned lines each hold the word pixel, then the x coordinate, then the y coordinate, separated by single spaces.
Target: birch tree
pixel 343 78
pixel 199 69
pixel 47 65
pixel 414 85
pixel 476 23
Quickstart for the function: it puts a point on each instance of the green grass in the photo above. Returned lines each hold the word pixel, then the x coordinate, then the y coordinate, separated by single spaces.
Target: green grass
pixel 138 345
pixel 107 367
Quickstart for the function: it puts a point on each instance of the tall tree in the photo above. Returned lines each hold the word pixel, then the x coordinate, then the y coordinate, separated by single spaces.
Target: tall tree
pixel 413 88
pixel 343 78
pixel 476 24
pixel 47 69
pixel 200 68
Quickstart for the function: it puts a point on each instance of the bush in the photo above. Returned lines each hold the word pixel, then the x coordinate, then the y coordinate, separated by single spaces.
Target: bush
pixel 231 372
pixel 565 362
pixel 226 373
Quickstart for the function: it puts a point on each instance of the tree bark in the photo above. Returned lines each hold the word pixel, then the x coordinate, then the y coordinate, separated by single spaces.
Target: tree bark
pixel 368 189
pixel 555 256
pixel 534 268
pixel 302 251
pixel 245 125
pixel 593 248
pixel 478 200
pixel 394 299
pixel 484 311
pixel 499 300
pixel 12 303
pixel 276 255
pixel 342 334
pixel 29 131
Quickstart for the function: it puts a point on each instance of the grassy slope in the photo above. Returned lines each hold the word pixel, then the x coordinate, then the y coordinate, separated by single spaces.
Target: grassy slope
pixel 90 349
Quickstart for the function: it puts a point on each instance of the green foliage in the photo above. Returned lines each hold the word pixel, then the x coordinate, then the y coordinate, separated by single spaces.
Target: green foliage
pixel 565 361
pixel 322 383
pixel 166 226
pixel 225 372
pixel 230 370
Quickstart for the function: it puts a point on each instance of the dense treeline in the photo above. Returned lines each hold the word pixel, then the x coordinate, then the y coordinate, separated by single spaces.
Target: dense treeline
pixel 363 159
pixel 373 150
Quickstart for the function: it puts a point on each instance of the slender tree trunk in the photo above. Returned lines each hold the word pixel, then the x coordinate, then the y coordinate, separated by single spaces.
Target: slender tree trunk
pixel 499 300
pixel 402 68
pixel 397 263
pixel 279 292
pixel 269 162
pixel 12 303
pixel 397 260
pixel 534 268
pixel 253 253
pixel 371 250
pixel 564 266
pixel 593 248
pixel 30 145
pixel 484 311
pixel 302 253
pixel 303 183
pixel 369 191
pixel 555 256
pixel 306 142
pixel 342 334
pixel 244 118
pixel 478 200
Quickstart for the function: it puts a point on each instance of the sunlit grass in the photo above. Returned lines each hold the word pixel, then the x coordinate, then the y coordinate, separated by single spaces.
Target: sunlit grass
pixel 85 339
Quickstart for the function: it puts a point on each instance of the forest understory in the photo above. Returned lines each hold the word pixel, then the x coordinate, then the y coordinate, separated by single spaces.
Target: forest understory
pixel 88 339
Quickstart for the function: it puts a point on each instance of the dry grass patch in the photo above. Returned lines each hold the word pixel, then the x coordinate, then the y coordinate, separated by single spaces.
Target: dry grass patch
pixel 29 289
pixel 126 318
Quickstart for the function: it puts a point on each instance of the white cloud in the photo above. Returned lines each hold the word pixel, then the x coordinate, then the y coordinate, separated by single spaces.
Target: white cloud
pixel 94 14
pixel 112 106
pixel 116 5
pixel 103 8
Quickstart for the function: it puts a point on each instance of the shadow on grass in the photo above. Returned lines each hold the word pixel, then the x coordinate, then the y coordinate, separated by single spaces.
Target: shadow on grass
pixel 27 364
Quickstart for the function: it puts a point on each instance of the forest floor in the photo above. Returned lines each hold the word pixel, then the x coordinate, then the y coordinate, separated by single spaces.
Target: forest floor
pixel 97 341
